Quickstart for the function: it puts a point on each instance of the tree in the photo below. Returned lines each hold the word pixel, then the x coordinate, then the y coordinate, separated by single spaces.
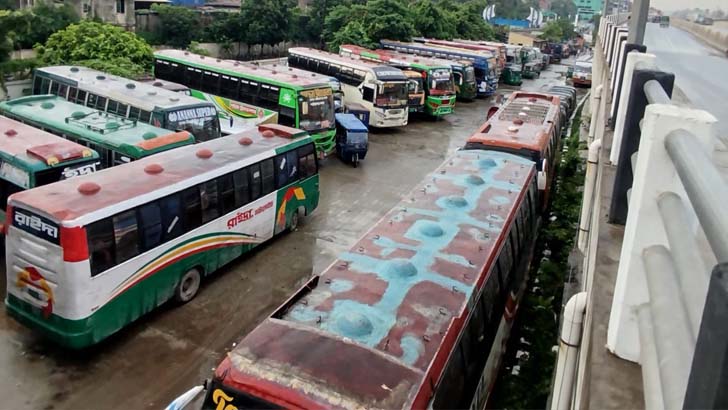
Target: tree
pixel 314 18
pixel 265 21
pixel 552 32
pixel 388 19
pixel 98 45
pixel 432 20
pixel 37 24
pixel 353 33
pixel 178 25
pixel 470 23
pixel 564 8
pixel 339 17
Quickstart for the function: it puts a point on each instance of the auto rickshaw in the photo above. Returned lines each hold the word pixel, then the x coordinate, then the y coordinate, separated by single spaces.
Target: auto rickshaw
pixel 352 138
pixel 360 112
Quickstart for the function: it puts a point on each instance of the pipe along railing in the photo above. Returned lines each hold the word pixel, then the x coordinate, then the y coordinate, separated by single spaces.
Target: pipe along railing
pixel 669 312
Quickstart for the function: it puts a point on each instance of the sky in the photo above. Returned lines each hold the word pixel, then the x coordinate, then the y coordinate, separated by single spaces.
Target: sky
pixel 682 4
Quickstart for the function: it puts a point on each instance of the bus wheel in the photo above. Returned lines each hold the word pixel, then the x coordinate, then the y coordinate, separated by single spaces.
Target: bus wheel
pixel 188 286
pixel 295 219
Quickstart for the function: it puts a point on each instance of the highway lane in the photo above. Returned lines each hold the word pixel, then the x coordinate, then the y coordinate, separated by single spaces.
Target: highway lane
pixel 701 72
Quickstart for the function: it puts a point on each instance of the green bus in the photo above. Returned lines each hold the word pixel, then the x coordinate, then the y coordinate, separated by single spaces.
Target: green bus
pixel 137 101
pixel 112 246
pixel 438 76
pixel 118 140
pixel 30 157
pixel 301 101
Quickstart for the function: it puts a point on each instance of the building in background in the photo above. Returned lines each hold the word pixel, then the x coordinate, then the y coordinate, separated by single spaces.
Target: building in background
pixel 116 12
pixel 586 9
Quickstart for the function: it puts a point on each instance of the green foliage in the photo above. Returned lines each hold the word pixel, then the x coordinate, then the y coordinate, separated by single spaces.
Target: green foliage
pixel 35 25
pixel 470 24
pixel 558 30
pixel 390 19
pixel 433 20
pixel 353 33
pixel 513 9
pixel 6 45
pixel 195 47
pixel 178 25
pixel 265 21
pixel 8 4
pixel 17 69
pixel 312 21
pixel 118 66
pixel 537 321
pixel 97 43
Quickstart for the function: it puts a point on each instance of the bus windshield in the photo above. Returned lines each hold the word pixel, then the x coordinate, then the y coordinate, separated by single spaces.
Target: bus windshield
pixel 469 74
pixel 415 85
pixel 317 109
pixel 441 82
pixel 202 122
pixel 392 94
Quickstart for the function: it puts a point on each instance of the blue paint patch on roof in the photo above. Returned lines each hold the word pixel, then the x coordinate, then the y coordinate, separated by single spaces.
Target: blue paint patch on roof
pixel 430 224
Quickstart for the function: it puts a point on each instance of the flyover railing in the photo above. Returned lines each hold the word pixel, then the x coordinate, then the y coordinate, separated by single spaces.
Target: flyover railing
pixel 670 307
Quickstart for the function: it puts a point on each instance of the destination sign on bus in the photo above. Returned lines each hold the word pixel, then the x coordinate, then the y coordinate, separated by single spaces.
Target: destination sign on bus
pixel 317 93
pixel 84 169
pixel 36 225
pixel 191 114
pixel 387 73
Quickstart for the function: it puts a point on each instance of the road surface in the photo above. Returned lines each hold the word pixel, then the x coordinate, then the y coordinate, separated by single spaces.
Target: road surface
pixel 701 72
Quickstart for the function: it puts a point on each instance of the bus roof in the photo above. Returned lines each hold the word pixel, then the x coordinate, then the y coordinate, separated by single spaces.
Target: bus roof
pixel 138 94
pixel 389 56
pixel 167 85
pixel 524 121
pixel 380 70
pixel 35 149
pixel 378 325
pixel 285 76
pixel 132 137
pixel 137 183
pixel 453 51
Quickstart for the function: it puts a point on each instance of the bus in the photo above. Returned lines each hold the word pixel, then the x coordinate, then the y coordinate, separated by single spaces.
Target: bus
pixel 509 74
pixel 134 100
pixel 30 157
pixel 234 117
pixel 484 63
pixel 118 140
pixel 416 315
pixel 300 101
pixel 112 246
pixel 380 89
pixel 438 76
pixel 529 125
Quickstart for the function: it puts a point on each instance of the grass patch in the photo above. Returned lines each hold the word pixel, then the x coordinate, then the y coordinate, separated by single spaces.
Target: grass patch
pixel 525 378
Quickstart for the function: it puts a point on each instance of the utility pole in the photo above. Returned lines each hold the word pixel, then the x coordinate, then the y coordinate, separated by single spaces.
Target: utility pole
pixel 638 21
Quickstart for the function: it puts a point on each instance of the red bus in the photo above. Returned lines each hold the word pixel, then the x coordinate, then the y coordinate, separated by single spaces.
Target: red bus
pixel 527 124
pixel 415 315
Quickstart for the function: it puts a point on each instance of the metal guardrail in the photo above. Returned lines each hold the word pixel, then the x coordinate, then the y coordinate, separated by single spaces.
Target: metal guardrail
pixel 677 196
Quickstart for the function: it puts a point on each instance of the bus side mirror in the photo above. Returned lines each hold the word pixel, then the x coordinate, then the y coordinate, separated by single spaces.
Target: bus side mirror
pixel 492 110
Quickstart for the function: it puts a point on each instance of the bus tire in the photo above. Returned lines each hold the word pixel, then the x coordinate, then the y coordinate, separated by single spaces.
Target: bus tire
pixel 188 286
pixel 295 219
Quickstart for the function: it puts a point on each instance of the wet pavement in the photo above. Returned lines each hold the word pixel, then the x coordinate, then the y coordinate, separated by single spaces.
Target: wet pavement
pixel 157 358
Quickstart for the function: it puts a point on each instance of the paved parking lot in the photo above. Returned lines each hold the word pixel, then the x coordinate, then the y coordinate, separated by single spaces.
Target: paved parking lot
pixel 155 359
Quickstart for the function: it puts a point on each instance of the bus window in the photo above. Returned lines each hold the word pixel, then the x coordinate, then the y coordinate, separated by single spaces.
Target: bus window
pixel 450 390
pixel 368 94
pixel 229 87
pixel 171 210
pixel 125 236
pixel 150 222
pixel 101 245
pixel 145 116
pixel 193 212
pixel 286 116
pixel 268 170
pixel 242 187
pixel 63 91
pixel 254 181
pixel 209 201
pixel 134 113
pixel 81 97
pixel 100 103
pixel 292 160
pixel 54 87
pixel 227 193
pixel 306 161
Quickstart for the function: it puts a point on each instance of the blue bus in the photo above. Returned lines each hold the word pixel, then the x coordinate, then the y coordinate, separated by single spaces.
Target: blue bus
pixel 484 62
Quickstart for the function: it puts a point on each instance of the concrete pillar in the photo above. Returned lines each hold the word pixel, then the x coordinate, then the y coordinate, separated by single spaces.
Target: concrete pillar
pixel 638 21
pixel 654 175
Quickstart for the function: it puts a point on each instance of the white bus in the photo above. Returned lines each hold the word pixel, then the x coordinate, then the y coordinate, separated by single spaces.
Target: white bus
pixel 383 90
pixel 89 255
pixel 134 100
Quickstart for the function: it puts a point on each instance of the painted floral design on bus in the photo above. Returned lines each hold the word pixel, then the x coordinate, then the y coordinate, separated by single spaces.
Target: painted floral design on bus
pixel 30 280
pixel 296 191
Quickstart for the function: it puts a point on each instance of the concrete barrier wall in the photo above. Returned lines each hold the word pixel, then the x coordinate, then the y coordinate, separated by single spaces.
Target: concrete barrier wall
pixel 713 37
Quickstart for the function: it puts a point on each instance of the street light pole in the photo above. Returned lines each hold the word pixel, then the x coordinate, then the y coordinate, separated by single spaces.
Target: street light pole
pixel 638 21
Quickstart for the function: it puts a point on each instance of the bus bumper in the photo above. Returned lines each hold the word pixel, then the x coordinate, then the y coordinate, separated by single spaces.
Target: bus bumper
pixel 67 333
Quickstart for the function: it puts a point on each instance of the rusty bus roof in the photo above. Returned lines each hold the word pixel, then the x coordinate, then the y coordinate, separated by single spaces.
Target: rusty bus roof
pixel 375 328
pixel 526 120
pixel 37 149
pixel 390 56
pixel 349 61
pixel 64 202
pixel 285 76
